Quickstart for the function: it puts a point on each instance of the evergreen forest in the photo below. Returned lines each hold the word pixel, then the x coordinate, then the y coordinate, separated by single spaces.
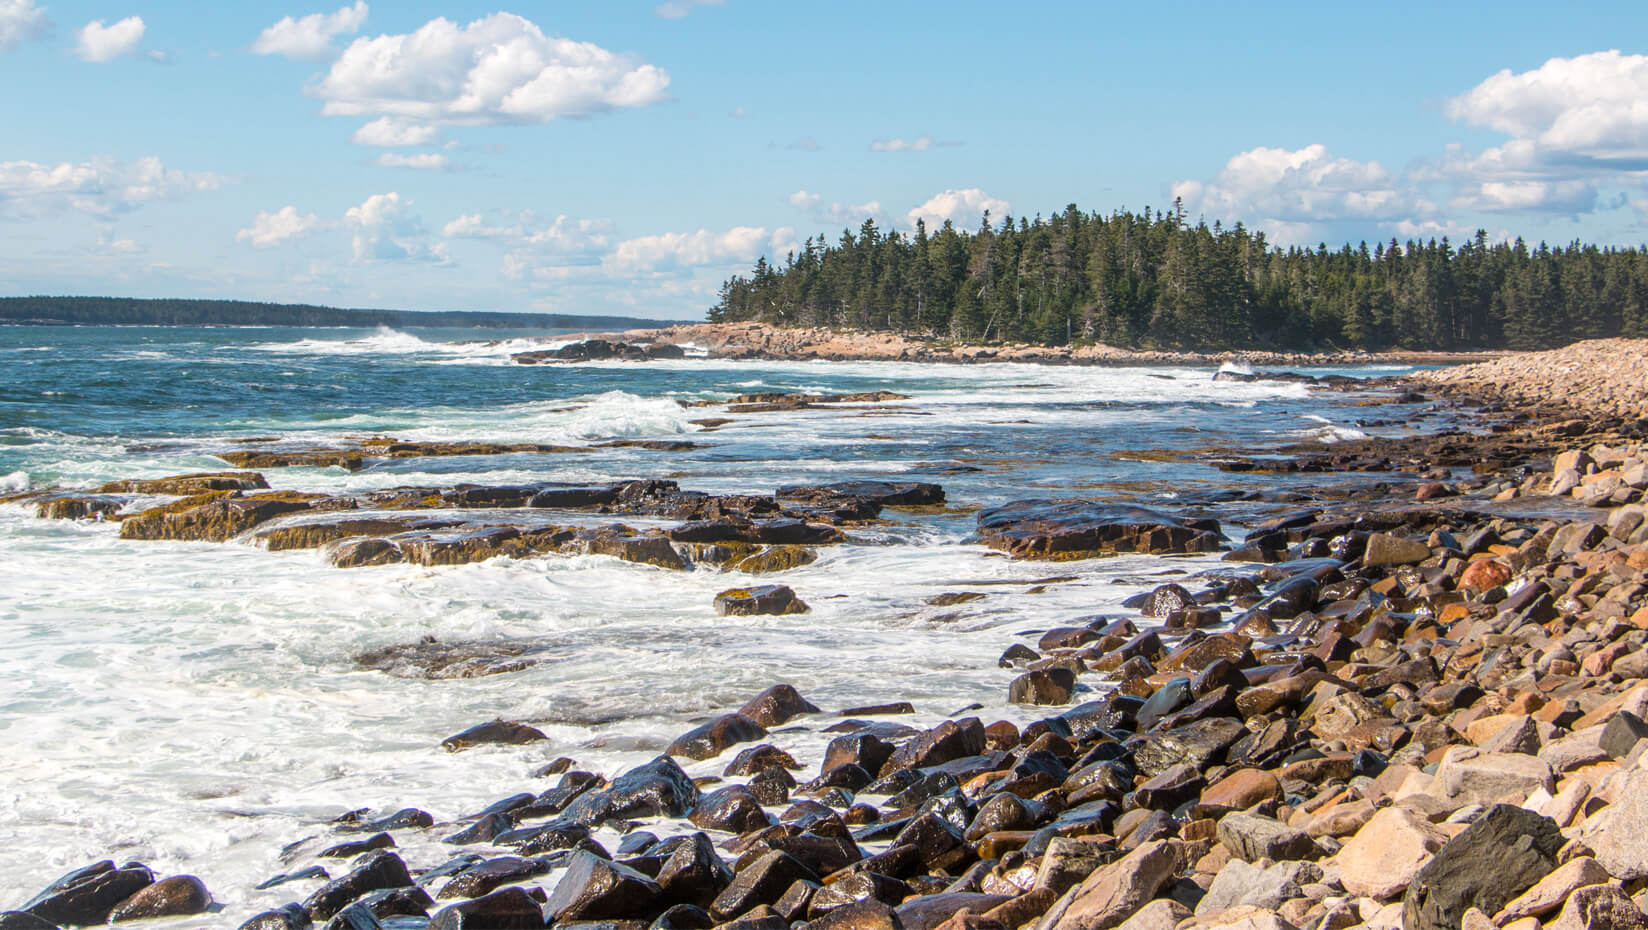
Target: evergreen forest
pixel 1152 280
pixel 128 311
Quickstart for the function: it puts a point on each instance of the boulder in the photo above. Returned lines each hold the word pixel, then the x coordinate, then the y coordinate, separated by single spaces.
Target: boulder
pixel 593 888
pixel 1063 529
pixel 770 599
pixel 1548 893
pixel 1252 837
pixel 1600 907
pixel 178 896
pixel 506 732
pixel 1488 777
pixel 711 739
pixel 658 789
pixel 483 878
pixel 1242 884
pixel 694 874
pixel 1046 686
pixel 290 917
pixel 1383 550
pixel 88 895
pixel 1240 790
pixel 504 909
pixel 761 882
pixel 1618 835
pixel 373 871
pixel 1498 857
pixel 1161 914
pixel 777 705
pixel 1381 860
pixel 733 809
pixel 1113 893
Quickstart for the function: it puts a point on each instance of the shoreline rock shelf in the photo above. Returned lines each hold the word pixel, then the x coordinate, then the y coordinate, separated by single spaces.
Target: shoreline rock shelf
pixel 1391 709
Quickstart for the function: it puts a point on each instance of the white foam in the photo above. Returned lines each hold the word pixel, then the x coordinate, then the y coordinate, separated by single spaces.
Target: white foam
pixel 1236 368
pixel 15 482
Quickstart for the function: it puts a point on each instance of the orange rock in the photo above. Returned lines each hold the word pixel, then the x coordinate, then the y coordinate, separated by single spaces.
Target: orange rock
pixel 1241 790
pixel 1483 574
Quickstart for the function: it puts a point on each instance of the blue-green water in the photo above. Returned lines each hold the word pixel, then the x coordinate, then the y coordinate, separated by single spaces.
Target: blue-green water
pixel 197 705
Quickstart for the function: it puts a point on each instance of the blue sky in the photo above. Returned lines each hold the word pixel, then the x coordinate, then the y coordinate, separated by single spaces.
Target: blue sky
pixel 625 157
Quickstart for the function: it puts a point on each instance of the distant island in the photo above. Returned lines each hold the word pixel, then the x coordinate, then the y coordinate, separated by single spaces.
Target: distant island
pixel 1155 281
pixel 126 311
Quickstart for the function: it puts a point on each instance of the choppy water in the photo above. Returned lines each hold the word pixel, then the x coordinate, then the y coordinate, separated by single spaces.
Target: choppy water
pixel 196 706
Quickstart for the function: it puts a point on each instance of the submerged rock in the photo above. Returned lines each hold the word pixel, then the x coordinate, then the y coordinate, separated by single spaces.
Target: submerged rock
pixel 1076 529
pixel 773 599
pixel 496 731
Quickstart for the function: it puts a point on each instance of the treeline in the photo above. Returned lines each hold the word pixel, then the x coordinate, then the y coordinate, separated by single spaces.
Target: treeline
pixel 1153 280
pixel 114 311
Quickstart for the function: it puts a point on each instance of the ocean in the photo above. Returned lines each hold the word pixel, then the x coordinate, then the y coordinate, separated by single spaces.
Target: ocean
pixel 198 706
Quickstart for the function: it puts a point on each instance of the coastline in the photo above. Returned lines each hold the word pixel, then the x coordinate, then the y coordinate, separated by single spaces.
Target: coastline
pixel 763 341
pixel 1259 766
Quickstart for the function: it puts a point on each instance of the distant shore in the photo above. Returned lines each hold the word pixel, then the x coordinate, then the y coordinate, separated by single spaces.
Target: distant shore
pixel 764 341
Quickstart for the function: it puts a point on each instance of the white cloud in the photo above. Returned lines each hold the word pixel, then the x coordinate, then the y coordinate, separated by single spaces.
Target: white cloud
pixel 498 70
pixel 676 9
pixel 963 207
pixel 386 230
pixel 100 187
pixel 667 251
pixel 427 161
pixel 804 200
pixel 918 144
pixel 271 229
pixel 20 20
pixel 1594 105
pixel 1267 186
pixel 311 36
pixel 97 42
pixel 387 131
pixel 835 212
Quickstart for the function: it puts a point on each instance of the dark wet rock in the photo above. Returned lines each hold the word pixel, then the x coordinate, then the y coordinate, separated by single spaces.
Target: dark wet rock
pixel 694 874
pixel 772 786
pixel 879 710
pixel 658 789
pixel 290 917
pixel 771 599
pixel 352 849
pixel 1199 744
pixel 886 493
pixel 1164 600
pixel 761 882
pixel 923 789
pixel 1168 698
pixel 533 841
pixel 89 895
pixel 217 520
pixel 485 877
pixel 375 871
pixel 644 550
pixel 300 875
pixel 777 705
pixel 939 842
pixel 757 759
pixel 1048 686
pixel 506 732
pixel 184 485
pixel 594 889
pixel 863 886
pixel 849 776
pixel 484 830
pixel 505 909
pixel 364 553
pixel 821 854
pixel 713 738
pixel 1499 856
pixel 1065 529
pixel 1170 787
pixel 1005 812
pixel 733 809
pixel 947 742
pixel 177 896
pixel 381 905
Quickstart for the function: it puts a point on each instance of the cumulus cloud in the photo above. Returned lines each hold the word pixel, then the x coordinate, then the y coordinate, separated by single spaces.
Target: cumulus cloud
pixel 676 9
pixel 543 251
pixel 498 70
pixel 310 37
pixel 20 20
pixel 1592 105
pixel 1271 185
pixel 670 251
pixel 965 208
pixel 426 161
pixel 271 229
pixel 386 231
pixel 387 131
pixel 804 200
pixel 99 187
pixel 100 43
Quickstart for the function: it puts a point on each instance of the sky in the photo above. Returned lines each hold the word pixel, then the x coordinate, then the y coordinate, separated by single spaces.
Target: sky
pixel 626 156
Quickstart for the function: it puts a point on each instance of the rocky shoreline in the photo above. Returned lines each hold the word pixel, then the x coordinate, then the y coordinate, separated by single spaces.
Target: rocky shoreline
pixel 764 341
pixel 1412 703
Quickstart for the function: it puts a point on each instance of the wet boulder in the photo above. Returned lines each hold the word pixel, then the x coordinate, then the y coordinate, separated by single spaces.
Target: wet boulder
pixel 1045 686
pixel 89 895
pixel 1068 529
pixel 733 809
pixel 506 909
pixel 866 750
pixel 886 493
pixel 290 917
pixel 658 789
pixel 381 905
pixel 757 759
pixel 947 742
pixel 484 877
pixel 217 520
pixel 694 874
pixel 497 731
pixel 769 599
pixel 178 896
pixel 761 882
pixel 713 738
pixel 375 871
pixel 593 888
pixel 364 553
pixel 777 705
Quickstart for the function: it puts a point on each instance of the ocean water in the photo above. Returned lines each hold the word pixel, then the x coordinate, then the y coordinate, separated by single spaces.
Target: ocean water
pixel 198 706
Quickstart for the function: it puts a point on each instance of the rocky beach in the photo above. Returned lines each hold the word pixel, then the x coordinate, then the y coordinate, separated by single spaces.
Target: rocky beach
pixel 1407 692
